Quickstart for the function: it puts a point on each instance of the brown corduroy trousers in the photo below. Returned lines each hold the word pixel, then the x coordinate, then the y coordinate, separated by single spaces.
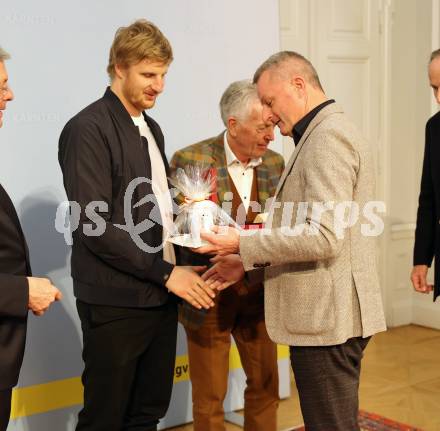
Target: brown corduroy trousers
pixel 239 312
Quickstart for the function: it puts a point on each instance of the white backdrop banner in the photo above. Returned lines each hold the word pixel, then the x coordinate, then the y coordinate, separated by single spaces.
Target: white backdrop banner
pixel 59 56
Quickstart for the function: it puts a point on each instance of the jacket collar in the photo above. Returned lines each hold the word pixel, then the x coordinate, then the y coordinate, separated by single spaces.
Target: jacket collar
pixel 219 160
pixel 218 150
pixel 328 110
pixel 232 158
pixel 116 106
pixel 301 126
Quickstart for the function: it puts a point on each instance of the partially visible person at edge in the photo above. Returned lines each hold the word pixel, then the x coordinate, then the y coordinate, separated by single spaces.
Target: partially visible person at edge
pixel 427 238
pixel 19 291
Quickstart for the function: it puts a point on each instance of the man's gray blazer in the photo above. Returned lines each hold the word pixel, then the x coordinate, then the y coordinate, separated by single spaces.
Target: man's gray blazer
pixel 321 282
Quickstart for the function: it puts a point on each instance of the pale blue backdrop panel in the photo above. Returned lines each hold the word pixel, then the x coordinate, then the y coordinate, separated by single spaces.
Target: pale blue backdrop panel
pixel 59 57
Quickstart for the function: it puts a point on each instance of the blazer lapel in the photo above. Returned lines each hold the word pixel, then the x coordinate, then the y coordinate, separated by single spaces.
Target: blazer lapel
pixel 219 158
pixel 320 116
pixel 8 207
pixel 263 183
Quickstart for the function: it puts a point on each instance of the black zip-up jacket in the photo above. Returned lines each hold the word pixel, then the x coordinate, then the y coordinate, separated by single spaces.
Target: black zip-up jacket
pixel 100 153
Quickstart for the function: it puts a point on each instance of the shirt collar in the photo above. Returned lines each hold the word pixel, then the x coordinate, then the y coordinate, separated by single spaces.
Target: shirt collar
pixel 232 159
pixel 301 126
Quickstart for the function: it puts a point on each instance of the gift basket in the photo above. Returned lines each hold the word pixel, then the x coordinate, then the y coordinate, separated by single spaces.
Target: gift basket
pixel 196 183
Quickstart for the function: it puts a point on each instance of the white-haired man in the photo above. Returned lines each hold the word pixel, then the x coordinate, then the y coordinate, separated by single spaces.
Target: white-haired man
pixel 247 169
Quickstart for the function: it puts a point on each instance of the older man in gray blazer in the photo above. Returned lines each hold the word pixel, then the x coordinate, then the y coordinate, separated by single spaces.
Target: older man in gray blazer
pixel 322 294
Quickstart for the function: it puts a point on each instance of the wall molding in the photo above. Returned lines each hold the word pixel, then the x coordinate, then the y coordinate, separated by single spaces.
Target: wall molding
pixel 403 227
pixel 426 314
pixel 402 313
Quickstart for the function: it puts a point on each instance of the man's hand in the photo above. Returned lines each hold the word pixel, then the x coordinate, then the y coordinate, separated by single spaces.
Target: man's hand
pixel 187 284
pixel 227 270
pixel 225 240
pixel 418 278
pixel 41 294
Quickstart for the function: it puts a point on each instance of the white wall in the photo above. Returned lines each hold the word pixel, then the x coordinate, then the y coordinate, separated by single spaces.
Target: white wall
pixel 411 100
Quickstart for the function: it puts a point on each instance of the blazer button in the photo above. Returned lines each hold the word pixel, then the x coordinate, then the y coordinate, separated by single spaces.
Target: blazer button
pixel 256 265
pixel 267 264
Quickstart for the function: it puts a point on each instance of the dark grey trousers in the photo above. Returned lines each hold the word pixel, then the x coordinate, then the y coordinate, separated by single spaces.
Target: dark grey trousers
pixel 327 378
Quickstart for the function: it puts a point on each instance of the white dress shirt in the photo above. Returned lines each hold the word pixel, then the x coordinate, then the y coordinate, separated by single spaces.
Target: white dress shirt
pixel 242 174
pixel 160 186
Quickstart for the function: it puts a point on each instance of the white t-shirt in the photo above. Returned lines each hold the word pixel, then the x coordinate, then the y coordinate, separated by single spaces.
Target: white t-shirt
pixel 160 186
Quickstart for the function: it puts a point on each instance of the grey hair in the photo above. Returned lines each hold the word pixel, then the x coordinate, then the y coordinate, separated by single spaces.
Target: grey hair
pixel 434 54
pixel 300 64
pixel 4 55
pixel 237 100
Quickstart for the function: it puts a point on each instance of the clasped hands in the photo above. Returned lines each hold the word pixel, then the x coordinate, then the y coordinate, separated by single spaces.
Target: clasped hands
pixel 200 290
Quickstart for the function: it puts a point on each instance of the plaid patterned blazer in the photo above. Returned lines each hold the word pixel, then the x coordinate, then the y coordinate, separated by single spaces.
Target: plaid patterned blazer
pixel 211 153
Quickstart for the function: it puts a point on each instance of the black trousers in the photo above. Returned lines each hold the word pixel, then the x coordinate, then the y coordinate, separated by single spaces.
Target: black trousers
pixel 327 378
pixel 5 408
pixel 129 356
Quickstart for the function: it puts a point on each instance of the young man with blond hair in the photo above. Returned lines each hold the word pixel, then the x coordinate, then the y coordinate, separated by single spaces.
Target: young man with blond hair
pixel 125 280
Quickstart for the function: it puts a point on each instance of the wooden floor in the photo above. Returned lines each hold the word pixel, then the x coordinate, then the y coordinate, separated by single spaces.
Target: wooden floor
pixel 400 380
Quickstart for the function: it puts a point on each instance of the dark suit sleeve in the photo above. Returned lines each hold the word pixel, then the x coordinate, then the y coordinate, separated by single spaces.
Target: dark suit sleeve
pixel 14 295
pixel 426 214
pixel 87 168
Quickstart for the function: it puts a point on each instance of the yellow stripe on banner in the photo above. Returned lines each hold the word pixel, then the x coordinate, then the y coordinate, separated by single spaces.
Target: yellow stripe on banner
pixel 181 371
pixel 43 398
pixel 65 393
pixel 283 352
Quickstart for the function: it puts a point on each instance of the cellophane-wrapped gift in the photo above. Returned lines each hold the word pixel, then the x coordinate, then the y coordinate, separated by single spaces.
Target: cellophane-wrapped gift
pixel 196 183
